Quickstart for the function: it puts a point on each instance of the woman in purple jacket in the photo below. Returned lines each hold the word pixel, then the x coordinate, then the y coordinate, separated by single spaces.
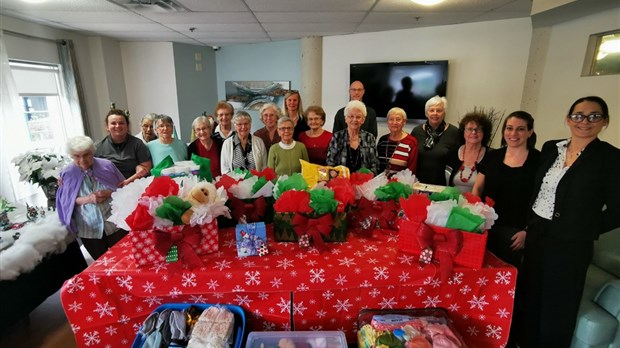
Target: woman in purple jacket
pixel 83 199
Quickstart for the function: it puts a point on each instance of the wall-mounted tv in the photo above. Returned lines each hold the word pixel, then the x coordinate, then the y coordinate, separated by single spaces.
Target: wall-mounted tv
pixel 404 84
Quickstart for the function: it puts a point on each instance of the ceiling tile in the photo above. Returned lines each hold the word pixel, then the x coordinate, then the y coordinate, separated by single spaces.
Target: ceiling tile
pixel 309 5
pixel 214 5
pixel 310 17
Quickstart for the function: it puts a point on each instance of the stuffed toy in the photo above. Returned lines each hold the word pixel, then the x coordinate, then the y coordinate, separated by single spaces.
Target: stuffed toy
pixel 202 194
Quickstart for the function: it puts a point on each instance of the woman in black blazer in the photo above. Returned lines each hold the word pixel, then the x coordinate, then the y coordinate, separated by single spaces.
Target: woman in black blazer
pixel 578 198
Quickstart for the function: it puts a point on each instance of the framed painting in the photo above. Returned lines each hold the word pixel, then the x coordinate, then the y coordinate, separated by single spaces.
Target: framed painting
pixel 251 95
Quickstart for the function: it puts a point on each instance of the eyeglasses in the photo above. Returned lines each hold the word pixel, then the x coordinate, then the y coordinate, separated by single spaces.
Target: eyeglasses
pixel 473 130
pixel 285 129
pixel 147 126
pixel 356 89
pixel 355 117
pixel 592 118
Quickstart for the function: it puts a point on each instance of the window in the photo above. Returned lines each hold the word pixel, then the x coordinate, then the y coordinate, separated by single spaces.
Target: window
pixel 603 54
pixel 38 86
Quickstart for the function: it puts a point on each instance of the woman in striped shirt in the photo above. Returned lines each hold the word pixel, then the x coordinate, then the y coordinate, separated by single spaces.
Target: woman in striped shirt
pixel 397 150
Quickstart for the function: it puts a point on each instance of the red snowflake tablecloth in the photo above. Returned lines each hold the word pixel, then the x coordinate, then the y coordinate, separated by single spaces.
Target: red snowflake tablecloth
pixel 107 303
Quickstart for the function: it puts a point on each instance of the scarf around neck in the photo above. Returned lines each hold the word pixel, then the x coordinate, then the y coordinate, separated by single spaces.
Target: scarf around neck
pixel 432 136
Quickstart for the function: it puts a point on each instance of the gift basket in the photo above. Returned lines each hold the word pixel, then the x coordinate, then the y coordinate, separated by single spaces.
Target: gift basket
pixel 250 194
pixel 170 220
pixel 424 327
pixel 192 325
pixel 317 215
pixel 449 227
pixel 377 206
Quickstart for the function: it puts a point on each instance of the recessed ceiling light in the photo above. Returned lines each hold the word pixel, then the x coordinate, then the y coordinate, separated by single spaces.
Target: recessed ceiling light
pixel 427 2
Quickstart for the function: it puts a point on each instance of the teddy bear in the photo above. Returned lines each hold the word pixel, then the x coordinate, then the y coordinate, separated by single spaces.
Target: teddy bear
pixel 202 194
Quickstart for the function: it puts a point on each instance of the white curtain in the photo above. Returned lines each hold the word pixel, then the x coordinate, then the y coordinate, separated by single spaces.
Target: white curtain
pixel 13 130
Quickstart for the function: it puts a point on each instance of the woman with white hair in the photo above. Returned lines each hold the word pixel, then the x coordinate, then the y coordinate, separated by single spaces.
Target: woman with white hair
pixel 397 150
pixel 242 150
pixel 146 128
pixel 204 145
pixel 284 157
pixel 269 114
pixel 83 199
pixel 353 147
pixel 436 139
pixel 166 145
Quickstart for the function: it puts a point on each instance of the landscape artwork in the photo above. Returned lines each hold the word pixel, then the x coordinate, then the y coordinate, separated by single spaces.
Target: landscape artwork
pixel 251 95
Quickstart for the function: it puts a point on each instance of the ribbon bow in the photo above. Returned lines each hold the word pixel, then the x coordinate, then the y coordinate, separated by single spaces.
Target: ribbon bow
pixel 185 238
pixel 315 228
pixel 253 211
pixel 372 214
pixel 446 246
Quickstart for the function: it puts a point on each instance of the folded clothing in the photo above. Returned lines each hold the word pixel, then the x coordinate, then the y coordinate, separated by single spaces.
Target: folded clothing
pixel 213 329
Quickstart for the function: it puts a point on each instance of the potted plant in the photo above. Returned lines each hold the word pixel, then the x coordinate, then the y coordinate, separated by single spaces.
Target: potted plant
pixel 41 168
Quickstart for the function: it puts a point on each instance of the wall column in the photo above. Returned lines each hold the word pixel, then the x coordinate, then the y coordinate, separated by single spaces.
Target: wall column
pixel 311 70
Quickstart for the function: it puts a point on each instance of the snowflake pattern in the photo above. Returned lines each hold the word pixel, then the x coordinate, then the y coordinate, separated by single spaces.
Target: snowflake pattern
pixel 322 290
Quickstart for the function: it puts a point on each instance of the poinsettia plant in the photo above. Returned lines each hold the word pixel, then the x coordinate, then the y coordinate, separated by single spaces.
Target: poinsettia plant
pixel 39 167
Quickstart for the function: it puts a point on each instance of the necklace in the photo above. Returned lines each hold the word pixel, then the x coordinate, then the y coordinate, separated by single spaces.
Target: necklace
pixel 473 167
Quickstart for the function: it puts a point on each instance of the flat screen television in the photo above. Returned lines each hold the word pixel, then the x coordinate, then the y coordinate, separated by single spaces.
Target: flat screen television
pixel 407 85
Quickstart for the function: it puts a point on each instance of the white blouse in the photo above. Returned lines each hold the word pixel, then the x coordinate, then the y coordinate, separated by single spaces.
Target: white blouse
pixel 544 205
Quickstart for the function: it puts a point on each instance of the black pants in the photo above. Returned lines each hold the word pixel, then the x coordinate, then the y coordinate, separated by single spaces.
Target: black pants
pixel 553 276
pixel 98 247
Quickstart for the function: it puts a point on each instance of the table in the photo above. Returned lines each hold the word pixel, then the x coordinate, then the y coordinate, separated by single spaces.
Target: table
pixel 290 288
pixel 22 295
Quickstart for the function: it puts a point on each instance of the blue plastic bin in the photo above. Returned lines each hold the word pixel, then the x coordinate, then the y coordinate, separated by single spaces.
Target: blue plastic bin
pixel 238 312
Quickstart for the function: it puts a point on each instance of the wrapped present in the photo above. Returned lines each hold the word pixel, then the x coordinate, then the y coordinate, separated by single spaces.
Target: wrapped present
pixel 251 239
pixel 377 207
pixel 311 217
pixel 250 195
pixel 177 246
pixel 369 216
pixel 332 227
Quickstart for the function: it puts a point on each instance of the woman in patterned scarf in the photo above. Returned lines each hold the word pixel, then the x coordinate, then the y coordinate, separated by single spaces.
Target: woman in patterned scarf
pixel 436 139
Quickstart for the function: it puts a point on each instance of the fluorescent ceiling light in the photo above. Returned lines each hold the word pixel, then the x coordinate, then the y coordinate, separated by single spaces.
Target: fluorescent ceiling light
pixel 427 2
pixel 35 1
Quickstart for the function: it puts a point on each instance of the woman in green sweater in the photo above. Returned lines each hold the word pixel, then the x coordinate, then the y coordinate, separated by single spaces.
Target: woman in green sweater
pixel 284 156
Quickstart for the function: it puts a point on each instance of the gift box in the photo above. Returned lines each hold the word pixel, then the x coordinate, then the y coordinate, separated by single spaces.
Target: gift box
pixel 177 245
pixel 253 209
pixel 284 226
pixel 251 239
pixel 471 254
pixel 369 216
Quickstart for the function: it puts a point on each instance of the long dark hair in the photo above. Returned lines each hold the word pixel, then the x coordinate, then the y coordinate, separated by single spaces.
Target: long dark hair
pixel 525 116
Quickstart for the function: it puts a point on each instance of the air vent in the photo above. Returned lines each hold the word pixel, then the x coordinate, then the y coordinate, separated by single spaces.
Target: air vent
pixel 166 5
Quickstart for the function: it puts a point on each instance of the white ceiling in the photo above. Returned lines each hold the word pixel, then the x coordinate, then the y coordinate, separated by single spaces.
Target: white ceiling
pixel 229 22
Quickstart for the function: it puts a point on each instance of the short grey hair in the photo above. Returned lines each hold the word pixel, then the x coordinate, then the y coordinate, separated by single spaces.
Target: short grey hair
pixel 357 105
pixel 273 106
pixel 80 143
pixel 436 100
pixel 241 115
pixel 149 117
pixel 162 118
pixel 285 119
pixel 397 112
pixel 203 119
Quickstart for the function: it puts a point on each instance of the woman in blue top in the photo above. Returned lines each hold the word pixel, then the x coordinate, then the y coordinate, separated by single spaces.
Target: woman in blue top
pixel 165 144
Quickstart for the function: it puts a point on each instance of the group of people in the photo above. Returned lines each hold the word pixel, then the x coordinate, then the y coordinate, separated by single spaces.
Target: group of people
pixel 552 204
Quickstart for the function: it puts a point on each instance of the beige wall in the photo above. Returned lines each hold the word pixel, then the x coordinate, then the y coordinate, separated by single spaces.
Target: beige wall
pixel 487 62
pixel 558 52
pixel 150 79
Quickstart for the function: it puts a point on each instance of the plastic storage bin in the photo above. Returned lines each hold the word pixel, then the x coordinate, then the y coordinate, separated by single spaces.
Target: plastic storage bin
pixel 311 339
pixel 238 328
pixel 395 319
